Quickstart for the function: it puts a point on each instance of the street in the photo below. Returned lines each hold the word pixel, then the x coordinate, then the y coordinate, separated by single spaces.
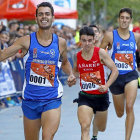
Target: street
pixel 11 121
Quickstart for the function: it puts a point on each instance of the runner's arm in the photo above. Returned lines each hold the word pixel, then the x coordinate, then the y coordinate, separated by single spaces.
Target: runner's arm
pixel 105 58
pixel 66 66
pixel 107 40
pixel 75 70
pixel 13 49
pixel 10 51
pixel 137 38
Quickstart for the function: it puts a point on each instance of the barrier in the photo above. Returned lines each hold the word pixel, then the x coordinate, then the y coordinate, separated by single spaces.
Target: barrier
pixel 7 87
pixel 17 71
pixel 6 80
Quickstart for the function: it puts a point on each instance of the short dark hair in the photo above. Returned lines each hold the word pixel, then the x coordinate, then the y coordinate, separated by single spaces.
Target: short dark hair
pixel 45 4
pixel 19 28
pixel 93 25
pixel 4 32
pixel 11 24
pixel 127 10
pixel 87 31
pixel 3 28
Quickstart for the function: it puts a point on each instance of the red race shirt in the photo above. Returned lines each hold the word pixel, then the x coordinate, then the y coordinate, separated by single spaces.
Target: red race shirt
pixel 92 73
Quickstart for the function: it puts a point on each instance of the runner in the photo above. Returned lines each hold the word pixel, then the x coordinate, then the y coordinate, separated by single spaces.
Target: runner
pixel 122 44
pixel 97 36
pixel 97 44
pixel 43 54
pixel 93 97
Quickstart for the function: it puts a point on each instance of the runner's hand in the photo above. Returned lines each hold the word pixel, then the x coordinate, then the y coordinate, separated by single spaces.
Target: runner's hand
pixel 71 80
pixel 103 88
pixel 1 25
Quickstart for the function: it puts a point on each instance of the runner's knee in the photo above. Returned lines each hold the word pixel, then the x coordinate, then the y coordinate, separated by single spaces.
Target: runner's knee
pixel 85 127
pixel 47 135
pixel 120 113
pixel 102 128
pixel 129 107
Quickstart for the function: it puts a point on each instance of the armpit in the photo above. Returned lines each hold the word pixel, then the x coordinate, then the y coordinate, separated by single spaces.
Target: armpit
pixel 61 58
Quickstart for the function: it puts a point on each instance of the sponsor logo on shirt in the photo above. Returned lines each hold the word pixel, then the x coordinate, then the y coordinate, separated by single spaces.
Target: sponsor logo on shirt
pixel 125 44
pixel 95 61
pixel 131 45
pixel 118 45
pixel 88 65
pixel 35 53
pixel 52 53
pixel 45 52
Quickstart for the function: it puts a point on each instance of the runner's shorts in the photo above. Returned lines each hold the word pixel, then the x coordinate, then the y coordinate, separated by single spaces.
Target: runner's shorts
pixel 119 85
pixel 33 109
pixel 96 102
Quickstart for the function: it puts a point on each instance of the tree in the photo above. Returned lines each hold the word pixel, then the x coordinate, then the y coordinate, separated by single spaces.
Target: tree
pixel 112 9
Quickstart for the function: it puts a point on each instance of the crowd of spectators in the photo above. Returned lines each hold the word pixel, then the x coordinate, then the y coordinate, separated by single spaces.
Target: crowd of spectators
pixel 15 30
pixel 8 35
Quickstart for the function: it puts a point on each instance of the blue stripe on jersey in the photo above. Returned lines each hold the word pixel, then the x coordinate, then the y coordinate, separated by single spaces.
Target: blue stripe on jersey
pixel 124 53
pixel 41 70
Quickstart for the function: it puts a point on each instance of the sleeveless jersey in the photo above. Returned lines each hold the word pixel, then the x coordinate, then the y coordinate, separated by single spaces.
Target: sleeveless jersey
pixel 123 53
pixel 92 73
pixel 41 70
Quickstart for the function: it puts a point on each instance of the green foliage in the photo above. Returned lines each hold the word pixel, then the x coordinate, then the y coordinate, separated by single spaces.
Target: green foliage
pixel 113 8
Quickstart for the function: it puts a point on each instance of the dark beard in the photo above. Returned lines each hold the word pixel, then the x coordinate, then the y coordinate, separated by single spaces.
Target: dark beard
pixel 45 28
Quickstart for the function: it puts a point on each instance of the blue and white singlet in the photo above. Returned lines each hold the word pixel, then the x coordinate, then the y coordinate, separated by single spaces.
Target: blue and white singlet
pixel 123 53
pixel 41 70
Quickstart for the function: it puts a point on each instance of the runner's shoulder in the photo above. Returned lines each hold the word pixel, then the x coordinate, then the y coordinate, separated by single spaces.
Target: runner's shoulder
pixel 62 40
pixel 109 35
pixel 23 41
pixel 62 43
pixel 102 52
pixel 137 37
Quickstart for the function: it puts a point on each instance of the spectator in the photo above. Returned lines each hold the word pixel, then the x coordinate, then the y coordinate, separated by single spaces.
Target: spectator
pixel 110 29
pixel 20 31
pixel 13 26
pixel 55 28
pixel 32 28
pixel 26 30
pixel 4 36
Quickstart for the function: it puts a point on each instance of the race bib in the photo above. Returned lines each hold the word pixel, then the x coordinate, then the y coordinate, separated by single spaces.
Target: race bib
pixel 124 61
pixel 42 74
pixel 90 81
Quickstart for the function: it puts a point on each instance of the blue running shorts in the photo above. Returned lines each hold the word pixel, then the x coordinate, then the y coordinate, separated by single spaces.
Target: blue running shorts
pixel 33 109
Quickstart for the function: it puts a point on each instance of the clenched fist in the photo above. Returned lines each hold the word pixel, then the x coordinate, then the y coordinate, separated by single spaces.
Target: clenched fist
pixel 103 88
pixel 71 80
